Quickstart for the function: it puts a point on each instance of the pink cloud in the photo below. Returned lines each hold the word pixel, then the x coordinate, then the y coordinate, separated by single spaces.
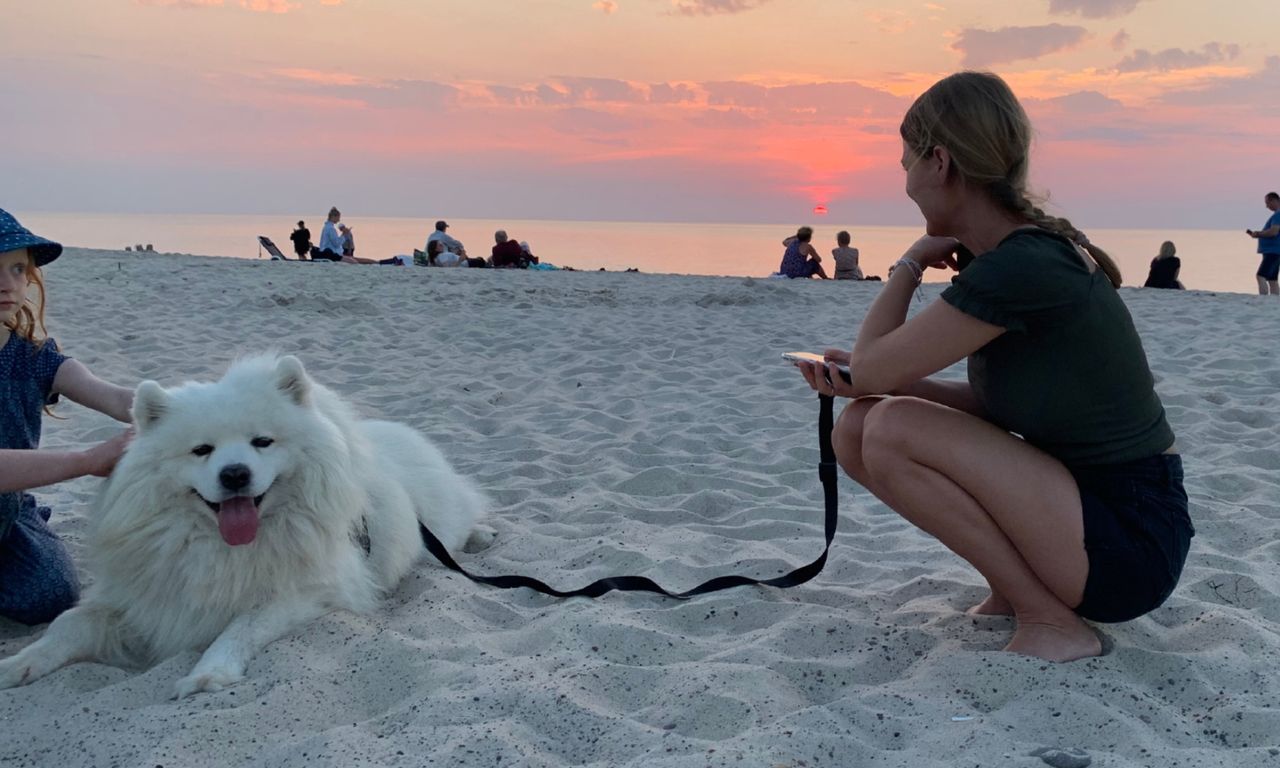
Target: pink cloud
pixel 1257 92
pixel 1093 9
pixel 983 47
pixel 1120 41
pixel 1177 58
pixel 181 3
pixel 714 7
pixel 257 6
pixel 606 6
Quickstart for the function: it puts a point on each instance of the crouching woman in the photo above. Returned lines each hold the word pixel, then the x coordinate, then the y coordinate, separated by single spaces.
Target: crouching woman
pixel 1052 470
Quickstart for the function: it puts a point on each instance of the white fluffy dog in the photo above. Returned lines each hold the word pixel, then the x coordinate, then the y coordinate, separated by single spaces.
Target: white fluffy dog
pixel 243 510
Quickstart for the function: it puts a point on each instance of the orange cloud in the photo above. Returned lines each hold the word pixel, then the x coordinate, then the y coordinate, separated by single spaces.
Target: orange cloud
pixel 270 6
pixel 324 78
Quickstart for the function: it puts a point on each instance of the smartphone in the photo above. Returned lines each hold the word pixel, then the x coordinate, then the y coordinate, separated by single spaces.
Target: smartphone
pixel 809 357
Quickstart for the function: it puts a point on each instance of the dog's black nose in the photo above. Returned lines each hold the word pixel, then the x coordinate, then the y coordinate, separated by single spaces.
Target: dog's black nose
pixel 235 477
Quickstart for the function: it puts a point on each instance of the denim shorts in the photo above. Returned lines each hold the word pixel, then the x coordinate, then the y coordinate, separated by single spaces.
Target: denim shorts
pixel 1136 534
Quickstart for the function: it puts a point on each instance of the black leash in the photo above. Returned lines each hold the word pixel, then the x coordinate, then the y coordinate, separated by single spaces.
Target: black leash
pixel 826 473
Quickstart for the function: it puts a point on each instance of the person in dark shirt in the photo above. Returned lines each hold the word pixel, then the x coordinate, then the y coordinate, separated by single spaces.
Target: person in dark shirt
pixel 801 259
pixel 301 238
pixel 1164 268
pixel 506 252
pixel 1052 470
pixel 38 578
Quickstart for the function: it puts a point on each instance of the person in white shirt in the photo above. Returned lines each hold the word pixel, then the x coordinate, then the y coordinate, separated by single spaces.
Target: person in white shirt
pixel 330 247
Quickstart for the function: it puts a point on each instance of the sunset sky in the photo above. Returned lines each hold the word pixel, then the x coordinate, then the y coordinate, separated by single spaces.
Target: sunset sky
pixel 1149 113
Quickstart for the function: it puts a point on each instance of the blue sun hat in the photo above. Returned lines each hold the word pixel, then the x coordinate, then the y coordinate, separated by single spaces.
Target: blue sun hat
pixel 14 236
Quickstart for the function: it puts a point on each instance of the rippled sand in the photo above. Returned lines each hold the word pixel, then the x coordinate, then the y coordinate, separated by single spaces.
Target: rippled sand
pixel 644 424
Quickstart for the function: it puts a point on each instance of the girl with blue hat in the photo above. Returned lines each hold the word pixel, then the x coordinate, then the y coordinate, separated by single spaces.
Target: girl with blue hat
pixel 37 578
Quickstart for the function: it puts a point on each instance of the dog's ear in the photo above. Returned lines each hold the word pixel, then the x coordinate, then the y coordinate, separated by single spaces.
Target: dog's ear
pixel 291 379
pixel 150 403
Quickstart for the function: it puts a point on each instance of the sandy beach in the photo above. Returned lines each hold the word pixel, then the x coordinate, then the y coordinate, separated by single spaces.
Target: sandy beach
pixel 645 424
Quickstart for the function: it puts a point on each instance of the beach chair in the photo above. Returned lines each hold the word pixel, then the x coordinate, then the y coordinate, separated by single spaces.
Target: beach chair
pixel 264 242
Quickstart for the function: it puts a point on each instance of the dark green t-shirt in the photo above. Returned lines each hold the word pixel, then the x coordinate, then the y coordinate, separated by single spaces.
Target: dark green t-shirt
pixel 1069 375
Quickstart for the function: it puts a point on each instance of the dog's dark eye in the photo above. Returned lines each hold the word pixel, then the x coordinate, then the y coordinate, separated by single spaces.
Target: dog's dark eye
pixel 202 450
pixel 261 442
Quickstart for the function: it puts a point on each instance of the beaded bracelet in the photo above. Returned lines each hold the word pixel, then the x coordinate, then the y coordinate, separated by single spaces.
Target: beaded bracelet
pixel 917 271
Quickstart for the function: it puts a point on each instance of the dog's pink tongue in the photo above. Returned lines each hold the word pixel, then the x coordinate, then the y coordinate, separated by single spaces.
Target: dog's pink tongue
pixel 238 520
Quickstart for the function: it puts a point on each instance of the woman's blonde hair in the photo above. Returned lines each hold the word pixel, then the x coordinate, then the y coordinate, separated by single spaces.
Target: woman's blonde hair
pixel 980 122
pixel 1167 249
pixel 28 322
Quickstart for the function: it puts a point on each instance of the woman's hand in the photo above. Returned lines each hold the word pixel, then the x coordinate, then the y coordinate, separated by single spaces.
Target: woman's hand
pixel 937 252
pixel 826 379
pixel 101 458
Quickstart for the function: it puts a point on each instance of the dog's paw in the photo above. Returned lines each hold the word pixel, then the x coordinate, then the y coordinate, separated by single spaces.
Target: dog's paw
pixel 14 672
pixel 205 682
pixel 480 538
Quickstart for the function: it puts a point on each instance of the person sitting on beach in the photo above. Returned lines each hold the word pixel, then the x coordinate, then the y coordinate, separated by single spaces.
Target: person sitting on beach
pixel 846 258
pixel 527 258
pixel 330 248
pixel 37 577
pixel 440 256
pixel 447 243
pixel 801 259
pixel 1269 246
pixel 1164 268
pixel 348 243
pixel 506 252
pixel 301 238
pixel 1052 470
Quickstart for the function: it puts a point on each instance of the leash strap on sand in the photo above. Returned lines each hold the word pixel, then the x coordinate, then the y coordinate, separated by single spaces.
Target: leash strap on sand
pixel 826 473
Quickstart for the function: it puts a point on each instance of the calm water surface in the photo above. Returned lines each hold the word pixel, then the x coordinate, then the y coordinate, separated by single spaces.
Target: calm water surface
pixel 1214 260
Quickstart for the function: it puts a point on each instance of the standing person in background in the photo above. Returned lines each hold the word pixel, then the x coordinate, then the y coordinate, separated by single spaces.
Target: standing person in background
pixel 846 258
pixel 1269 246
pixel 330 248
pixel 301 238
pixel 801 259
pixel 1164 268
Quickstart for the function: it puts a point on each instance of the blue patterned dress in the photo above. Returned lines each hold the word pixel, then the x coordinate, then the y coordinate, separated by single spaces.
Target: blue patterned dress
pixel 37 578
pixel 797 264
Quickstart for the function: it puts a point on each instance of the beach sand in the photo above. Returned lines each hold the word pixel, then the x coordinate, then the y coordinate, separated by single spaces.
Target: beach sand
pixel 644 424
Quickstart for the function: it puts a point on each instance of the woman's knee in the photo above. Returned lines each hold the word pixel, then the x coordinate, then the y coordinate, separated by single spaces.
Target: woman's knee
pixel 887 431
pixel 846 438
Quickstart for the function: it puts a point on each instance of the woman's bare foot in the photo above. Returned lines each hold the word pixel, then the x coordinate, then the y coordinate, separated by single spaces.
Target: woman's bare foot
pixel 994 605
pixel 1067 640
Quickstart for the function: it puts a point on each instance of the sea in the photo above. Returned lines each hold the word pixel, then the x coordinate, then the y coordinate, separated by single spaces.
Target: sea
pixel 1212 260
